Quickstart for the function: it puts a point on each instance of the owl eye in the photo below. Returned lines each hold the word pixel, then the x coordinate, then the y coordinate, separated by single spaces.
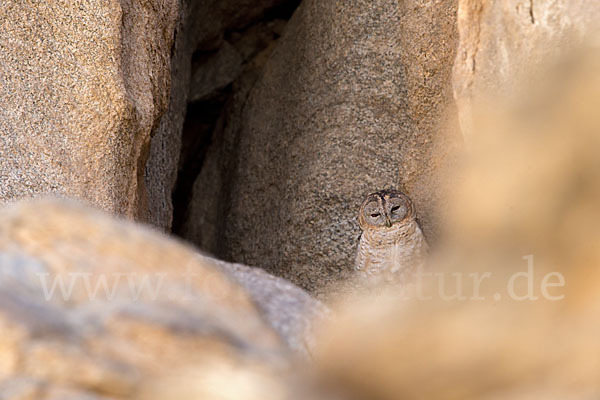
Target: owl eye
pixel 395 208
pixel 375 215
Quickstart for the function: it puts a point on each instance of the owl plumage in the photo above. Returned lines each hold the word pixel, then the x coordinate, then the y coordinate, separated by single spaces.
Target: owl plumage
pixel 392 243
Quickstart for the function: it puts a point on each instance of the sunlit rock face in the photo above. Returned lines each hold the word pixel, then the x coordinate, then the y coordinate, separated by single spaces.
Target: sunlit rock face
pixel 84 85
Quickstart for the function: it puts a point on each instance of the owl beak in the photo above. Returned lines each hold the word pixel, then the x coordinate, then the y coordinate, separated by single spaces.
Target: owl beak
pixel 388 222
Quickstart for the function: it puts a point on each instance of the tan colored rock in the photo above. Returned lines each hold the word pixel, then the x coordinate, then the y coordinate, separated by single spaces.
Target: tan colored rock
pixel 84 85
pixel 352 100
pixel 501 40
pixel 101 308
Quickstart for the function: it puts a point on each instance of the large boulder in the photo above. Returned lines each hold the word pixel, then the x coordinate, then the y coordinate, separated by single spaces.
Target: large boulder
pixel 92 306
pixel 352 99
pixel 84 85
pixel 503 40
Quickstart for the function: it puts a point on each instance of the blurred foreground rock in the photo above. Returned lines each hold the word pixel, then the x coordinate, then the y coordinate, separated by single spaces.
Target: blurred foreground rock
pixel 291 311
pixel 530 188
pixel 94 307
pixel 504 43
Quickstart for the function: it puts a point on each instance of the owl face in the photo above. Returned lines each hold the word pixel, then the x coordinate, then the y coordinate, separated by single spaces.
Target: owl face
pixel 384 209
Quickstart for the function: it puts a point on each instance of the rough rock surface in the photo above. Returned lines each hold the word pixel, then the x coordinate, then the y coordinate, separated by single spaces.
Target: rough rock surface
pixel 98 306
pixel 215 75
pixel 360 110
pixel 500 40
pixel 83 87
pixel 160 172
pixel 202 26
pixel 218 72
pixel 201 221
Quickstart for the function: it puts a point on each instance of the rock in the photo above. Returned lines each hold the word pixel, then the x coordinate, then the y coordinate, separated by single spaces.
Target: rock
pixel 160 171
pixel 258 37
pixel 535 188
pixel 503 39
pixel 362 109
pixel 97 307
pixel 291 311
pixel 84 85
pixel 207 137
pixel 207 116
pixel 216 73
pixel 202 26
pixel 219 17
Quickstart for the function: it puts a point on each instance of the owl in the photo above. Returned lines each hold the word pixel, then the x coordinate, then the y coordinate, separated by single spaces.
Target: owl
pixel 392 243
